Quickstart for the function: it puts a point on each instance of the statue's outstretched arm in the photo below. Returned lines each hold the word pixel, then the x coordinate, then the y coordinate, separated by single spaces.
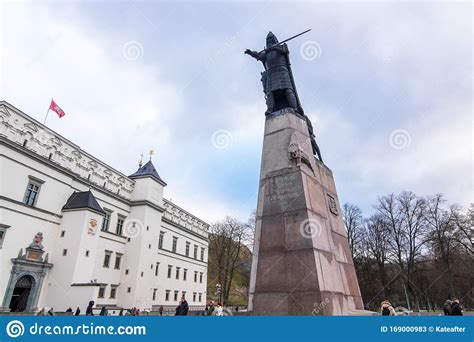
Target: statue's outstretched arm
pixel 282 48
pixel 255 54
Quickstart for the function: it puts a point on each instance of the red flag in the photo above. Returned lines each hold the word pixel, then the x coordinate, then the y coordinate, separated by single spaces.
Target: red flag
pixel 54 107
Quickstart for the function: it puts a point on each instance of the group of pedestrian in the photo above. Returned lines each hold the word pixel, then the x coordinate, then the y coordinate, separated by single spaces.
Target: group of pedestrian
pixel 213 310
pixel 452 308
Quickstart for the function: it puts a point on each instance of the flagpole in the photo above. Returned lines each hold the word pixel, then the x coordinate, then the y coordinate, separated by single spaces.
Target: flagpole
pixel 44 122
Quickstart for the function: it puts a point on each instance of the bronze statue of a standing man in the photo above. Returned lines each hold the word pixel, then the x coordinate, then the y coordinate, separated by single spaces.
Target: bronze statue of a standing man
pixel 278 83
pixel 276 78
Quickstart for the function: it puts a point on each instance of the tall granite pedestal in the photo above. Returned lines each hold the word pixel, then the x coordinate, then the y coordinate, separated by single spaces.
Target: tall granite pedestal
pixel 302 263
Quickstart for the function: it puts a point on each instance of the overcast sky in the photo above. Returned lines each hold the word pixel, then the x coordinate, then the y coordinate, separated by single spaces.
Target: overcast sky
pixel 388 87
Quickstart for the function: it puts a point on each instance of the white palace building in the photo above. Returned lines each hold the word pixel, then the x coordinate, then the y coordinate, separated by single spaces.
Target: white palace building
pixel 74 230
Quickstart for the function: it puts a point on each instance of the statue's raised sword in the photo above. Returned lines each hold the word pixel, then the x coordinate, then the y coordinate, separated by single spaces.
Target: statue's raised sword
pixel 284 41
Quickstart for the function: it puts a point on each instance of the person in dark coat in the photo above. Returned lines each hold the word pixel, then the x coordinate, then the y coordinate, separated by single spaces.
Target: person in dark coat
pixel 160 310
pixel 78 311
pixel 103 311
pixel 447 308
pixel 121 312
pixel 69 310
pixel 89 311
pixel 456 309
pixel 182 309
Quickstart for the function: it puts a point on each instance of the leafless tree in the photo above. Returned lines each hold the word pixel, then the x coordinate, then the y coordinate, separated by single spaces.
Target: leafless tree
pixel 376 238
pixel 225 244
pixel 352 216
pixel 405 217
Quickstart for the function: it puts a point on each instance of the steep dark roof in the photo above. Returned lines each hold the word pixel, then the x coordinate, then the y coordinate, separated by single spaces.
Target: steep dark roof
pixel 83 200
pixel 148 170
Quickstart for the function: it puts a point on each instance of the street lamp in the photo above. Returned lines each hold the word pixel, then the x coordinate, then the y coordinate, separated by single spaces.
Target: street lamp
pixel 218 292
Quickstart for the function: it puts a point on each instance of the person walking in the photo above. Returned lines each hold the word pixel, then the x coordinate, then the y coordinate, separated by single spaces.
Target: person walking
pixel 160 310
pixel 51 312
pixel 78 311
pixel 447 308
pixel 89 311
pixel 219 310
pixel 456 309
pixel 121 312
pixel 387 309
pixel 42 312
pixel 210 312
pixel 103 311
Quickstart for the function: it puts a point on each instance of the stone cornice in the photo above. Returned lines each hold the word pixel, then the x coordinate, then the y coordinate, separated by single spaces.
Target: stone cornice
pixel 147 203
pixel 30 207
pixel 174 224
pixel 58 168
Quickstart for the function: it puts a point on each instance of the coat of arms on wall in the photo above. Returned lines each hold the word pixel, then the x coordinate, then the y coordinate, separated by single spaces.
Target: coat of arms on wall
pixel 332 205
pixel 92 229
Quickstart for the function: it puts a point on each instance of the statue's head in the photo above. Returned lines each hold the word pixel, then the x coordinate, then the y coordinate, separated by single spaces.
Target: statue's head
pixel 271 39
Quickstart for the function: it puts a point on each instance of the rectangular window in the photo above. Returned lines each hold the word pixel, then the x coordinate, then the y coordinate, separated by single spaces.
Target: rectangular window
pixel 156 268
pixel 31 193
pixel 154 294
pixel 106 220
pixel 169 270
pixel 160 240
pixel 119 228
pixel 176 296
pixel 200 297
pixel 167 295
pixel 118 259
pixel 87 253
pixel 175 243
pixel 101 292
pixel 183 295
pixel 107 256
pixel 195 276
pixel 3 232
pixel 194 296
pixel 177 272
pixel 113 292
pixel 64 252
pixel 200 277
pixel 188 246
pixel 129 289
pixel 62 233
pixel 195 251
pixel 185 274
pixel 202 253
